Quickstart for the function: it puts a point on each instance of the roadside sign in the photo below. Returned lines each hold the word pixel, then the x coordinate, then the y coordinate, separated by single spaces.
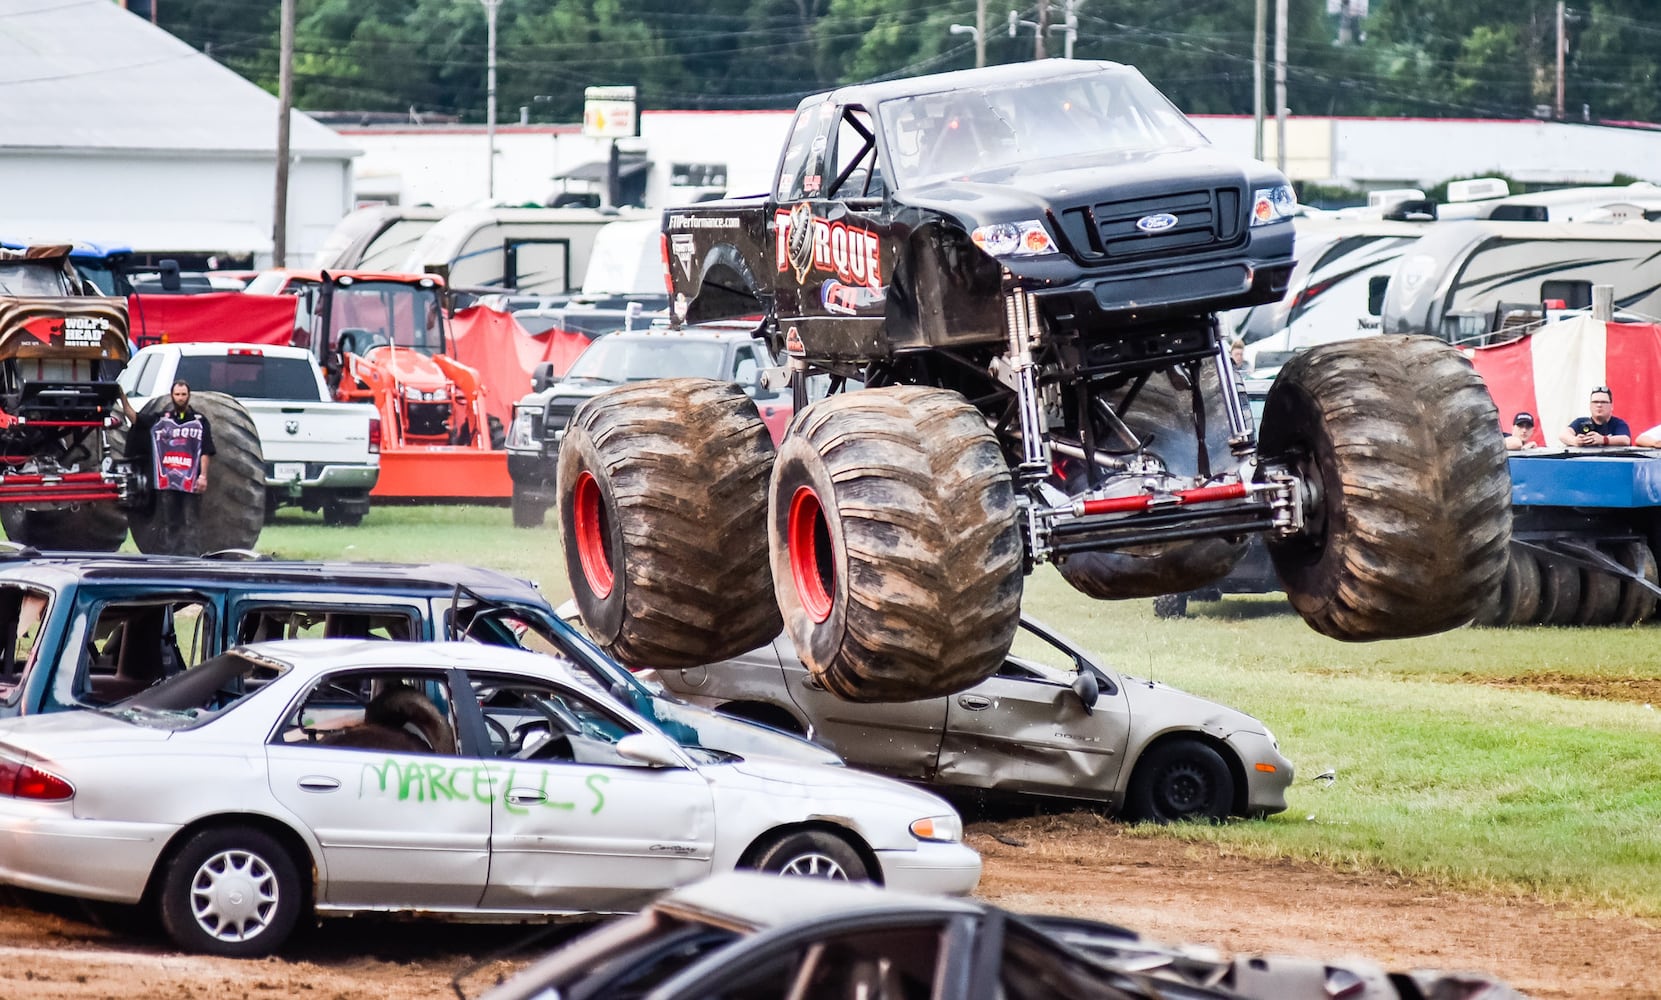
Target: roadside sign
pixel 608 112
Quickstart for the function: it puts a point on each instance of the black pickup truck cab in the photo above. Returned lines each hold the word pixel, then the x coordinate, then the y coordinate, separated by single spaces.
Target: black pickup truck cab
pixel 1023 265
pixel 79 632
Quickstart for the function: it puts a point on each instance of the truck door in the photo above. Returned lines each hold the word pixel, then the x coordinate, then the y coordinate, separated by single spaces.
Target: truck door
pixel 834 238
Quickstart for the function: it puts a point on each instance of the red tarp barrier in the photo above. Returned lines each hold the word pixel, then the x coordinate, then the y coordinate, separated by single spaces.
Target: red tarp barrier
pixel 504 354
pixel 1551 373
pixel 211 316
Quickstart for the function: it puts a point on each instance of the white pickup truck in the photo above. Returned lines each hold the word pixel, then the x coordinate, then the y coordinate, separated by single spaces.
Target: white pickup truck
pixel 318 453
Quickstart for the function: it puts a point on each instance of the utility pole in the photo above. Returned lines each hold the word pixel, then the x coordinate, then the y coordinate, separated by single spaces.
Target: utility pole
pixel 1259 43
pixel 980 33
pixel 1562 51
pixel 1038 50
pixel 490 93
pixel 285 108
pixel 1068 27
pixel 1280 84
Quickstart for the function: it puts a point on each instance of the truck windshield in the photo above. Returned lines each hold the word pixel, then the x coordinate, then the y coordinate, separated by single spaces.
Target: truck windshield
pixel 34 278
pixel 933 137
pixel 635 359
pixel 368 314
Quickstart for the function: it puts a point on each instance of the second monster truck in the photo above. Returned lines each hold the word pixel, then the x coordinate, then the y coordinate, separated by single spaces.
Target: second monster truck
pixel 1023 266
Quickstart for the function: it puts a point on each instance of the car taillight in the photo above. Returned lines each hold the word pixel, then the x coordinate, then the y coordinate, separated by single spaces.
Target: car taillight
pixel 20 781
pixel 374 435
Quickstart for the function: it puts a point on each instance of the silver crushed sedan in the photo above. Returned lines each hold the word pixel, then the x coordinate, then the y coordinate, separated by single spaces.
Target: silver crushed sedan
pixel 1053 722
pixel 329 777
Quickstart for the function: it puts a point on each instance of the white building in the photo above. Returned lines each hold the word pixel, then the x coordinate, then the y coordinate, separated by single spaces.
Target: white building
pixel 113 131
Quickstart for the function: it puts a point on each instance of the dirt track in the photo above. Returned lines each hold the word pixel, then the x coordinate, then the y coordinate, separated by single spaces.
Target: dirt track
pixel 1168 890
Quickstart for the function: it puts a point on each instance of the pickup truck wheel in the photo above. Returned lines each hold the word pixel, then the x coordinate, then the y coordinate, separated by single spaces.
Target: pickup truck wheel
pixel 1406 490
pixel 95 527
pixel 662 486
pixel 1162 417
pixel 1637 603
pixel 232 509
pixel 528 511
pixel 1559 593
pixel 895 545
pixel 1526 586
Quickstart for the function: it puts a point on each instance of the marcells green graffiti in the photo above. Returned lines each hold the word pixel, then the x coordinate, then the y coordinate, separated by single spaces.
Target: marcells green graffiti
pixel 435 782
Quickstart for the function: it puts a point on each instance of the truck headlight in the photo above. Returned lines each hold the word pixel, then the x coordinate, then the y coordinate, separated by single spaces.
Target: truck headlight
pixel 943 829
pixel 1273 204
pixel 1014 239
pixel 519 432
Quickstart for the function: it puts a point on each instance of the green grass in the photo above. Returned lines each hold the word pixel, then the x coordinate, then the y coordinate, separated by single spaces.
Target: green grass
pixel 1442 770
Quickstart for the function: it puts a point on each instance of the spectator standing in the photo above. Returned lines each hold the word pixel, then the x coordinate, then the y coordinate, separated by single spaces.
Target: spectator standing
pixel 181 444
pixel 1600 430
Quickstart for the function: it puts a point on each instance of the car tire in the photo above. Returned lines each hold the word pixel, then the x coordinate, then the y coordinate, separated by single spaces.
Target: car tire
pixel 232 510
pixel 896 551
pixel 1170 606
pixel 1407 494
pixel 1161 415
pixel 528 512
pixel 1637 603
pixel 1180 780
pixel 230 891
pixel 811 854
pixel 93 527
pixel 1600 598
pixel 662 485
pixel 1559 592
pixel 1527 586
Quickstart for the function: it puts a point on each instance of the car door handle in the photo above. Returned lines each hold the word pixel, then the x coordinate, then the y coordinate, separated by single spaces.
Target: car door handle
pixel 318 783
pixel 526 796
pixel 974 702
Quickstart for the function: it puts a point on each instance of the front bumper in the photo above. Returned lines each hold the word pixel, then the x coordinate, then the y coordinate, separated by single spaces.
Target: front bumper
pixel 1265 790
pixel 940 869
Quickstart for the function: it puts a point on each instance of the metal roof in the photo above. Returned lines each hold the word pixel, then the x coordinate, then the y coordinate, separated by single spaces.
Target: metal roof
pixel 89 75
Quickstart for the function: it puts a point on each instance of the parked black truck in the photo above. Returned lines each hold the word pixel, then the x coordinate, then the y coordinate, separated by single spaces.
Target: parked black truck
pixel 1023 265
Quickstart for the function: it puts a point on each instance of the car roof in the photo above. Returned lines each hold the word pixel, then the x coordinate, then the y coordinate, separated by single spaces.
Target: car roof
pixel 869 94
pixel 310 656
pixel 218 348
pixel 63 569
pixel 751 901
pixel 715 334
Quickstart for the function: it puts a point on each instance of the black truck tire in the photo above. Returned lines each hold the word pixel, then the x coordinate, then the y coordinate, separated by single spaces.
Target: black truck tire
pixel 93 527
pixel 1600 598
pixel 1526 568
pixel 662 487
pixel 528 511
pixel 1408 494
pixel 1559 592
pixel 1171 606
pixel 896 553
pixel 345 508
pixel 232 508
pixel 1162 417
pixel 1637 603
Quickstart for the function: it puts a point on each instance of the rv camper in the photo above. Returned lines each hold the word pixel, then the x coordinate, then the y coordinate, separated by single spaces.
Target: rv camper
pixel 1461 279
pixel 541 251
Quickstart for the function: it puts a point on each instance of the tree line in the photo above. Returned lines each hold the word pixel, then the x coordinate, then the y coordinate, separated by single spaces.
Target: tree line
pixel 1434 58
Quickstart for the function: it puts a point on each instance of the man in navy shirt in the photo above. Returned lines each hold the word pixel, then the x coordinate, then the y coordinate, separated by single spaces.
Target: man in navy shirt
pixel 1600 430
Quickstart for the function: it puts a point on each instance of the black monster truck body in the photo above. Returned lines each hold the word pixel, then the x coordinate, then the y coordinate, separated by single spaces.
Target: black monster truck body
pixel 1023 266
pixel 66 480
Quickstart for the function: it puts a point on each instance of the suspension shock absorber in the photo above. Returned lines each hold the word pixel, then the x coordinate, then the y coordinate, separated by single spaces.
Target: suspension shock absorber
pixel 1022 322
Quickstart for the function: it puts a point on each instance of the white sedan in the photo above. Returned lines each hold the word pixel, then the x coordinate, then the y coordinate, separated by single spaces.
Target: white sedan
pixel 334 777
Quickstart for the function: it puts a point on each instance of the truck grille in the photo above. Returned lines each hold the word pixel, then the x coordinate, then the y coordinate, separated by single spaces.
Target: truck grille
pixel 1106 231
pixel 428 419
pixel 558 416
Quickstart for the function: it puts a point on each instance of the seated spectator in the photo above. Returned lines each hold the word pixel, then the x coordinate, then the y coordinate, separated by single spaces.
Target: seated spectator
pixel 1600 430
pixel 1521 437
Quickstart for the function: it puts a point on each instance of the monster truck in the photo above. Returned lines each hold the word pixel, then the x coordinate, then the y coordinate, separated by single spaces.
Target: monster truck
pixel 1023 264
pixel 67 477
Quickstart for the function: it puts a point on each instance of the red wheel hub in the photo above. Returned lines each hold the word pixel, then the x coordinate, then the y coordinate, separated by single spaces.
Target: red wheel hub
pixel 811 565
pixel 593 535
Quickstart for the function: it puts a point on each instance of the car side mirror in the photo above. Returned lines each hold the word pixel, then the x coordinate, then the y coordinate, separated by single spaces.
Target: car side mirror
pixel 170 278
pixel 543 376
pixel 1088 689
pixel 648 748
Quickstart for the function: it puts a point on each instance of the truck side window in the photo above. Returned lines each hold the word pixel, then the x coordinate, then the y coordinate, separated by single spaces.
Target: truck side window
pixel 803 154
pixel 857 174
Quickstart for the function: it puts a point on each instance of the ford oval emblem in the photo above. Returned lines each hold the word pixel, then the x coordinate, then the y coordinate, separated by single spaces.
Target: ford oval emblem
pixel 1156 223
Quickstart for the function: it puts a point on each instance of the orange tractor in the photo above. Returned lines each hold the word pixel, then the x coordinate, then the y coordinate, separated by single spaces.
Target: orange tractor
pixel 381 338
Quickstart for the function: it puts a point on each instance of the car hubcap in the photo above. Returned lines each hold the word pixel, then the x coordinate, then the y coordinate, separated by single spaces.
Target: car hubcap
pixel 234 895
pixel 593 535
pixel 811 567
pixel 814 866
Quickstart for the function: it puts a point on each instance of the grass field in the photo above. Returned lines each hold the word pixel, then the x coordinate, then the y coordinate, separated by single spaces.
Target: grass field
pixel 1516 759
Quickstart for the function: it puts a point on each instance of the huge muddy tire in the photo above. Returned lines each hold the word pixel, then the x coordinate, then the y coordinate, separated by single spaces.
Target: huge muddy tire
pixel 93 527
pixel 1637 603
pixel 662 497
pixel 1406 490
pixel 1526 586
pixel 895 547
pixel 1161 416
pixel 1600 598
pixel 232 510
pixel 1559 593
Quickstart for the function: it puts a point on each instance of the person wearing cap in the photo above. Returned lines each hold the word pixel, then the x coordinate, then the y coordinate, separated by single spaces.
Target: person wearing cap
pixel 1522 433
pixel 1600 430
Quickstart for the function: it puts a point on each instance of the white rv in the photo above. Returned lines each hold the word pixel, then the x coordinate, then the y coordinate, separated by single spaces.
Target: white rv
pixel 539 251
